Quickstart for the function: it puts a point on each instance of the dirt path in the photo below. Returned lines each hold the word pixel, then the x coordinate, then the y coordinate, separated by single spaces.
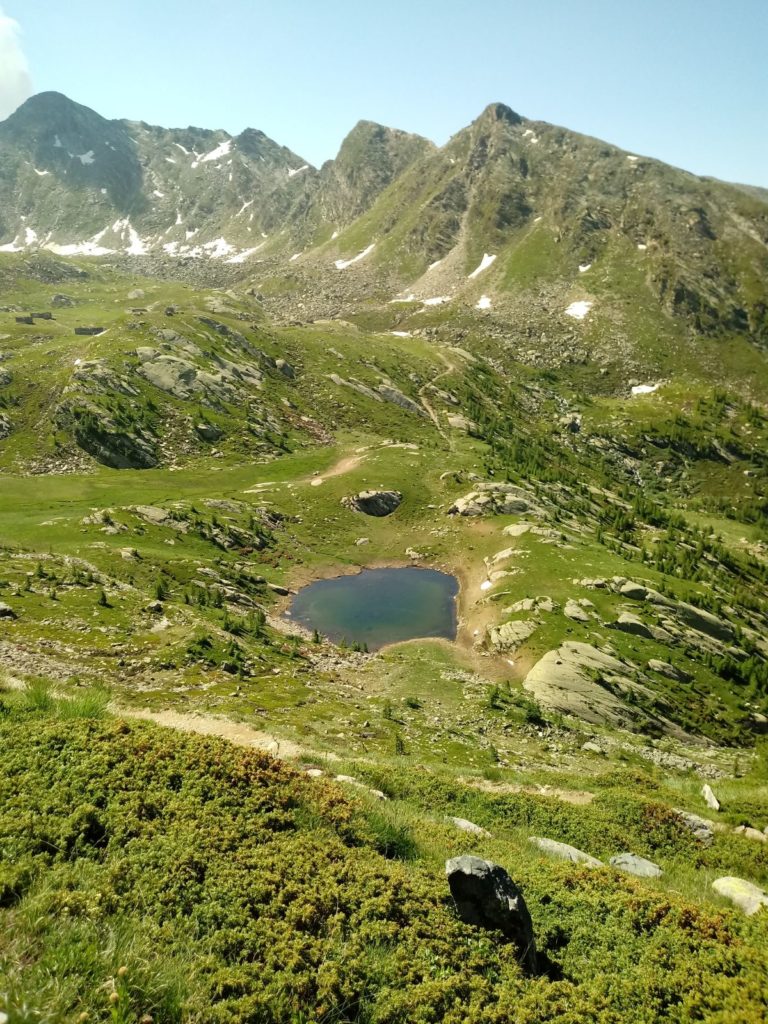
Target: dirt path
pixel 344 465
pixel 449 368
pixel 208 725
pixel 203 725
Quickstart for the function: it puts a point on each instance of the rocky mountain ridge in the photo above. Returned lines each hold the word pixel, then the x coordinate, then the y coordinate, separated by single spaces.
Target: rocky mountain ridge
pixel 509 214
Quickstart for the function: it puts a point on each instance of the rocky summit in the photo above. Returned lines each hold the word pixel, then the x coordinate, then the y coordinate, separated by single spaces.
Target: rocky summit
pixel 528 359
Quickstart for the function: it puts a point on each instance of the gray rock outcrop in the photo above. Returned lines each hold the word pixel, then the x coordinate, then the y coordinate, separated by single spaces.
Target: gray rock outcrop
pixel 702 828
pixel 573 610
pixel 495 499
pixel 510 635
pixel 486 896
pixel 663 668
pixel 562 851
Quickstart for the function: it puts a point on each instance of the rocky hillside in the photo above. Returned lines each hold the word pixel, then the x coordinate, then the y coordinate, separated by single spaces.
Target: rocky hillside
pixel 76 183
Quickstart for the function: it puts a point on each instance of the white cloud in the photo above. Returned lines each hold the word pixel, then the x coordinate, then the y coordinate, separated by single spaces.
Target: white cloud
pixel 15 81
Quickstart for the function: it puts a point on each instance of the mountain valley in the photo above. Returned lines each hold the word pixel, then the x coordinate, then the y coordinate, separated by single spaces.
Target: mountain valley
pixel 215 360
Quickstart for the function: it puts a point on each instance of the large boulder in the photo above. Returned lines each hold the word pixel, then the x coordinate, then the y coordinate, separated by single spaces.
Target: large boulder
pixel 565 852
pixel 745 895
pixel 629 623
pixel 634 865
pixel 374 503
pixel 486 896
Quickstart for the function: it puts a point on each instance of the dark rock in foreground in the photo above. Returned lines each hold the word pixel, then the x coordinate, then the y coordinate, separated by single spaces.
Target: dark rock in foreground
pixel 486 896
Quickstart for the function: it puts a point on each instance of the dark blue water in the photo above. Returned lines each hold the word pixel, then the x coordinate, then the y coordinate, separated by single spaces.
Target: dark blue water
pixel 379 606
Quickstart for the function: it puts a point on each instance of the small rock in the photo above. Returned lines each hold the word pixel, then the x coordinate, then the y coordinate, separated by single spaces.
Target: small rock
pixel 469 826
pixel 751 833
pixel 709 798
pixel 634 865
pixel 6 612
pixel 745 895
pixel 360 785
pixel 277 588
pixel 702 828
pixel 314 773
pixel 593 748
pixel 565 852
pixel 486 896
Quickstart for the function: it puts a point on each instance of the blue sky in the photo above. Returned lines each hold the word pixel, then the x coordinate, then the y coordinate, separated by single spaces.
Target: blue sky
pixel 682 80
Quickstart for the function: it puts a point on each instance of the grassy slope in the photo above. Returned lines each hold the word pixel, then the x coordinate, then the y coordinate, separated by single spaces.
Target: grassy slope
pixel 230 889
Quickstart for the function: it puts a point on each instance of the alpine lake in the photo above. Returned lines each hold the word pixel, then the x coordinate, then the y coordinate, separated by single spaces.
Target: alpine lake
pixel 377 607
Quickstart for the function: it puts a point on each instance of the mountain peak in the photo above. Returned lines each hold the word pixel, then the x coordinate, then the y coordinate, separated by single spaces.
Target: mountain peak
pixel 500 112
pixel 49 105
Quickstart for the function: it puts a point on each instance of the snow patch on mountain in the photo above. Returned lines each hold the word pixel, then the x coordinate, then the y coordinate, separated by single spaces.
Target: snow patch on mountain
pixel 221 151
pixel 244 255
pixel 292 172
pixel 87 158
pixel 218 248
pixel 485 262
pixel 343 264
pixel 483 302
pixel 438 300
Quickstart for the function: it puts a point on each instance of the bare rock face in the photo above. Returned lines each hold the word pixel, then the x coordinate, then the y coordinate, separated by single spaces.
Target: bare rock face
pixel 486 896
pixel 374 503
